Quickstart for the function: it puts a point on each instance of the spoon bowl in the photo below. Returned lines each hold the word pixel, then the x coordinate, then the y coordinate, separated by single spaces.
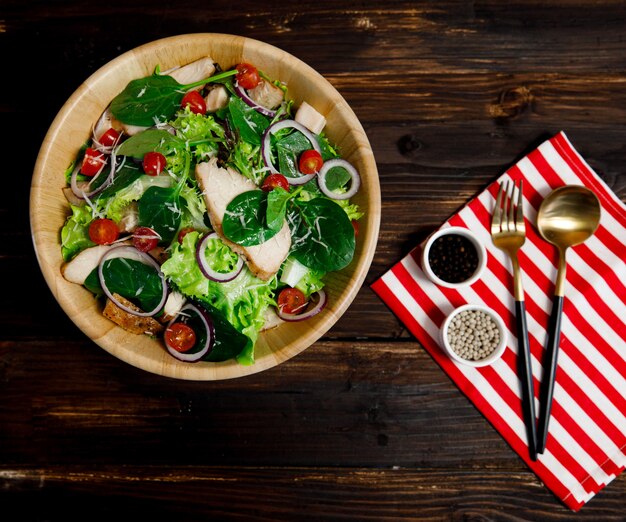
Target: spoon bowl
pixel 567 217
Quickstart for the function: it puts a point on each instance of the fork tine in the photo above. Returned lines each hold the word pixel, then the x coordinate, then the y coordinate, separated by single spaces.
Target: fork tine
pixel 497 212
pixel 519 219
pixel 511 203
pixel 505 200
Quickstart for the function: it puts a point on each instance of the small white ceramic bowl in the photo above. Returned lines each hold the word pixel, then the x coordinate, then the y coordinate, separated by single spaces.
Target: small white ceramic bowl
pixel 494 356
pixel 480 249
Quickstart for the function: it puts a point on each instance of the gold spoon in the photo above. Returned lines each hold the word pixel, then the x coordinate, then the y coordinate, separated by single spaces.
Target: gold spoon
pixel 567 217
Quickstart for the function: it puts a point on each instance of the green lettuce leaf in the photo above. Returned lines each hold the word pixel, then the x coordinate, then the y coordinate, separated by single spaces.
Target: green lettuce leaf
pixel 351 209
pixel 75 232
pixel 219 256
pixel 311 282
pixel 243 301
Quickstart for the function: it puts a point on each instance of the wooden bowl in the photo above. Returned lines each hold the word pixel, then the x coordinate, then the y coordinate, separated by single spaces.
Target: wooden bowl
pixel 72 127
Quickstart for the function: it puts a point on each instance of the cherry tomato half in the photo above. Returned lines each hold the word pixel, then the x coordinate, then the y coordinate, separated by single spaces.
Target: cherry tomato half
pixel 145 239
pixel 153 163
pixel 196 102
pixel 183 233
pixel 291 300
pixel 273 181
pixel 93 162
pixel 109 138
pixel 247 76
pixel 103 231
pixel 310 162
pixel 180 337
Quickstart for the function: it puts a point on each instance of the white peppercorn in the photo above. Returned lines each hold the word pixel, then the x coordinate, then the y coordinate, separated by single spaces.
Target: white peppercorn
pixel 473 335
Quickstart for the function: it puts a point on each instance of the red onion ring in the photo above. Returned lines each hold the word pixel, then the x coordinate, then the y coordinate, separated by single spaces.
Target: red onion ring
pixel 319 306
pixel 205 268
pixel 80 193
pixel 241 92
pixel 265 147
pixel 210 335
pixel 130 252
pixel 337 162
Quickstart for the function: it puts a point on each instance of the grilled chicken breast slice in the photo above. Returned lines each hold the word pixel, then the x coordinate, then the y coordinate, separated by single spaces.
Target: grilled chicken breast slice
pixel 194 71
pixel 219 187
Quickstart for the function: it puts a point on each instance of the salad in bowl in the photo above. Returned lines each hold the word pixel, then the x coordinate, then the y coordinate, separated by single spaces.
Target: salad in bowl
pixel 206 208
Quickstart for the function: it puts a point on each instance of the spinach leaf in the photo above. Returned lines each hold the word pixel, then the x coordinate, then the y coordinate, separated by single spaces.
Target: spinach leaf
pixel 132 279
pixel 245 219
pixel 146 99
pixel 92 283
pixel 124 177
pixel 249 123
pixel 276 207
pixel 98 180
pixel 157 140
pixel 323 236
pixel 160 209
pixel 155 97
pixel 336 178
pixel 288 149
pixel 228 341
pixel 310 190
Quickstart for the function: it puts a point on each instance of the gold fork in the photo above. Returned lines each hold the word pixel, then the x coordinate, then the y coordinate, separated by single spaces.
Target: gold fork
pixel 508 232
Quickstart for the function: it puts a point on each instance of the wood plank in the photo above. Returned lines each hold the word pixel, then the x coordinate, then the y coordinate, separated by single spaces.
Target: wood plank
pixel 355 403
pixel 294 493
pixel 445 36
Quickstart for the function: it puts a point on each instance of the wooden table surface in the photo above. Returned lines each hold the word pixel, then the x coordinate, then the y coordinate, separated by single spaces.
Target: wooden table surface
pixel 363 425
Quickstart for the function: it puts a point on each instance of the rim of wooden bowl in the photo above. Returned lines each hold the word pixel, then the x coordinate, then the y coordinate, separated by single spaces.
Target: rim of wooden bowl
pixel 72 127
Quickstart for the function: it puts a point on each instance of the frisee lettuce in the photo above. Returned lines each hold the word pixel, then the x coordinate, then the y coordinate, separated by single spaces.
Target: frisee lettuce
pixel 193 208
pixel 201 133
pixel 246 159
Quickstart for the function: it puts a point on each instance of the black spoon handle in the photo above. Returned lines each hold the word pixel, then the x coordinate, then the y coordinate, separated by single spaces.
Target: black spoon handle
pixel 549 371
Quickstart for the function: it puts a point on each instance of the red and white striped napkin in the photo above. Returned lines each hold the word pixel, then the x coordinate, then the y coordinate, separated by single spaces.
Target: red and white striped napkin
pixel 586 446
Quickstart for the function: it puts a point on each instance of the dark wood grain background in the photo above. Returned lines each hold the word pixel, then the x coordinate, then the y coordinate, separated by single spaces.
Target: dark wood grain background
pixel 363 425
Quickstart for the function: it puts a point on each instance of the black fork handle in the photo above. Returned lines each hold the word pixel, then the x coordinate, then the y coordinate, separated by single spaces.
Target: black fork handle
pixel 525 372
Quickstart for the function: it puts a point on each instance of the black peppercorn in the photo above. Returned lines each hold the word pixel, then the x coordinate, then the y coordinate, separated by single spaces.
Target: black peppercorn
pixel 453 258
